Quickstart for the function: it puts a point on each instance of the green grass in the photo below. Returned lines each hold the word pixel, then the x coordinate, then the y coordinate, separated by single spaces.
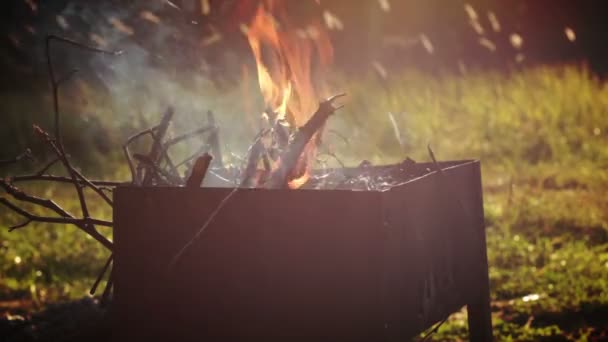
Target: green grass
pixel 541 135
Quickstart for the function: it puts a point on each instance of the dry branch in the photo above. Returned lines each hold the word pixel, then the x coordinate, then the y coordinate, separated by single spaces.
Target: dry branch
pixel 160 175
pixel 255 153
pixel 199 171
pixel 214 141
pixel 289 158
pixel 157 146
pixel 101 274
pixel 61 179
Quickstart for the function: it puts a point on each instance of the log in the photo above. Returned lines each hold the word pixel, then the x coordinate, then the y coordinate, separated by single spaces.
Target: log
pixel 199 171
pixel 289 158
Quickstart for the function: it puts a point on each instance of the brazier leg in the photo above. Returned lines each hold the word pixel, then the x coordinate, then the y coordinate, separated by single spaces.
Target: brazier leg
pixel 478 305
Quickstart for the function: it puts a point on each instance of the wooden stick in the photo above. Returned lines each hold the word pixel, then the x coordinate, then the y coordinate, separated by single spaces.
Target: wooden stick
pixel 157 146
pixel 61 179
pixel 101 274
pixel 199 171
pixel 255 153
pixel 214 141
pixel 289 158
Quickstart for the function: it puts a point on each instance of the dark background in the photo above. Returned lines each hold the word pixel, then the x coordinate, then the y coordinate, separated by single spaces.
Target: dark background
pixel 370 34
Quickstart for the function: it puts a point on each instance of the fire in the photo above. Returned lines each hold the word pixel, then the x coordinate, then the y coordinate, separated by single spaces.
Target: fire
pixel 285 57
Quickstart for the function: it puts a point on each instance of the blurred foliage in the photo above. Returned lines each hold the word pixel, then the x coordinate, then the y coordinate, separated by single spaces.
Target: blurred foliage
pixel 540 133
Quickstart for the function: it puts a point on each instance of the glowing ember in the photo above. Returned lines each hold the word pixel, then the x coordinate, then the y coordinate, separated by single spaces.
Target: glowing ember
pixel 285 56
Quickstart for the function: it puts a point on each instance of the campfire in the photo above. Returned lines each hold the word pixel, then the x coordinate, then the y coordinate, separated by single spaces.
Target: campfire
pixel 275 248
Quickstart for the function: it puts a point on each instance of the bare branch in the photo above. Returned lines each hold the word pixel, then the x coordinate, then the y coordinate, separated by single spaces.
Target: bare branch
pixel 125 148
pixel 62 179
pixel 152 167
pixel 94 187
pixel 20 225
pixel 108 289
pixel 157 147
pixel 71 171
pixel 55 82
pixel 21 196
pixel 63 220
pixel 186 136
pixel 256 151
pixel 101 274
pixel 47 167
pixel 214 141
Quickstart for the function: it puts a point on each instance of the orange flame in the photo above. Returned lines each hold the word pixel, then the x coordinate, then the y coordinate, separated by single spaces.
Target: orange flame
pixel 285 56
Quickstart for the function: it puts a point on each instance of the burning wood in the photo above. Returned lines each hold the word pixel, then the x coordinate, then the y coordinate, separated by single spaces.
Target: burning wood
pixel 199 170
pixel 290 157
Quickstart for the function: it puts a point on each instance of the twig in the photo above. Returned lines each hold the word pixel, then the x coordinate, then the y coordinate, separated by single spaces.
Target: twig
pixel 434 330
pixel 340 135
pixel 61 179
pixel 71 171
pixel 108 289
pixel 47 167
pixel 125 148
pixel 185 136
pixel 214 141
pixel 20 225
pixel 56 82
pixel 152 167
pixel 64 220
pixel 101 274
pixel 86 223
pixel 157 146
pixel 255 152
pixel 94 187
pixel 21 196
pixel 335 157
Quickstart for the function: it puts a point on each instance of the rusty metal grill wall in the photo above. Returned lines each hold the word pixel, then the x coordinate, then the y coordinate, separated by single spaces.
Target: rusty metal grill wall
pixel 304 264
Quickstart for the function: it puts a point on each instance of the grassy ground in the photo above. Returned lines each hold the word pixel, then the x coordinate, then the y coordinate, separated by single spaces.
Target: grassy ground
pixel 541 135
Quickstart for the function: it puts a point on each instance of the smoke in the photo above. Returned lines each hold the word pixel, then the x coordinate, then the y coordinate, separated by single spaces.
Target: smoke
pixel 163 64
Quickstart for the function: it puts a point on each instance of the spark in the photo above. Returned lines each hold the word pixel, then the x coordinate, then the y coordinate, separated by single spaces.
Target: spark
pixel 471 12
pixel 570 34
pixel 205 7
pixel 426 43
pixel 120 26
pixel 380 69
pixel 332 21
pixel 98 40
pixel 488 44
pixel 517 41
pixel 477 27
pixel 149 16
pixel 385 5
pixel 493 19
